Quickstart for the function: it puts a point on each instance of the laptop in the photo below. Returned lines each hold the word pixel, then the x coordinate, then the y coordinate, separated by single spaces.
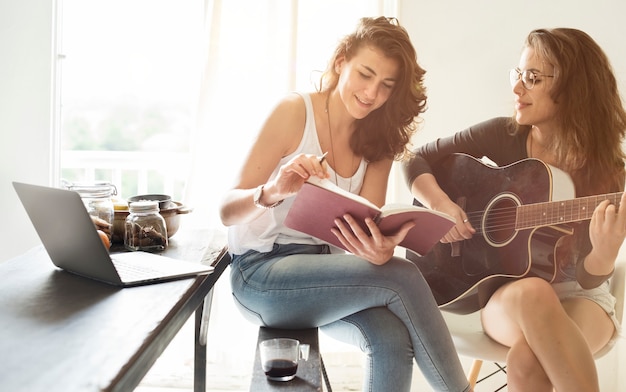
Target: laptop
pixel 69 236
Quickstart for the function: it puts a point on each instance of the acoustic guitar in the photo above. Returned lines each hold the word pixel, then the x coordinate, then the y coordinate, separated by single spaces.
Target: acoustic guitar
pixel 520 213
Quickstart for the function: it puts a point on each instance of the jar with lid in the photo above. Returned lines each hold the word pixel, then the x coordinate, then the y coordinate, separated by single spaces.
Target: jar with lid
pixel 97 200
pixel 145 228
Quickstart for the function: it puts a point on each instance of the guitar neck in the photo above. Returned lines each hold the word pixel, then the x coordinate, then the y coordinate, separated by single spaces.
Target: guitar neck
pixel 565 211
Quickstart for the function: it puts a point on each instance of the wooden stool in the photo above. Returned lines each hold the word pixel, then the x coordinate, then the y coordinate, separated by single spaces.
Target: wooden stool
pixel 310 372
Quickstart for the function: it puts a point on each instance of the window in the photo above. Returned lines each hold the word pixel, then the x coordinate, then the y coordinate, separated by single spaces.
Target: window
pixel 129 91
pixel 165 96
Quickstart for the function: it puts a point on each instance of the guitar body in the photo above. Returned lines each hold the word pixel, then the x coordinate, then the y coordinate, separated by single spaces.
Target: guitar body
pixel 464 275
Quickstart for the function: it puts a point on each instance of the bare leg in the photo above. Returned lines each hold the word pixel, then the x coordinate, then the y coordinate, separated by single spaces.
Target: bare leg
pixel 524 372
pixel 546 342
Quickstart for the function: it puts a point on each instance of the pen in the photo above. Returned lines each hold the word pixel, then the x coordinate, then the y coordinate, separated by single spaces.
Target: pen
pixel 323 157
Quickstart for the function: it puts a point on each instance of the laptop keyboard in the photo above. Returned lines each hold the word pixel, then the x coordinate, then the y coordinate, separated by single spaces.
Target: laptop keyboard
pixel 139 266
pixel 133 271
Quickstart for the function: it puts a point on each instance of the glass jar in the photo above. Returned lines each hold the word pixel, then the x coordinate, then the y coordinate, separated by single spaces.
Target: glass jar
pixel 97 200
pixel 145 228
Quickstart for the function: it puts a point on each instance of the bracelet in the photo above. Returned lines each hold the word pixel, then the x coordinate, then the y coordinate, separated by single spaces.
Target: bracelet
pixel 257 199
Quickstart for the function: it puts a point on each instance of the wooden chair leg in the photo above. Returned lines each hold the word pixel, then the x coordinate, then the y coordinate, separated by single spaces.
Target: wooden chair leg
pixel 474 371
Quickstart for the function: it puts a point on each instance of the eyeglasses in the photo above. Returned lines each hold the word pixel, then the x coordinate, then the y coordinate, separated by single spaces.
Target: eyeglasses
pixel 529 78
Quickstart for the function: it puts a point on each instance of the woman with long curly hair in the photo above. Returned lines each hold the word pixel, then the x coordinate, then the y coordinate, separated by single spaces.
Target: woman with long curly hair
pixel 362 116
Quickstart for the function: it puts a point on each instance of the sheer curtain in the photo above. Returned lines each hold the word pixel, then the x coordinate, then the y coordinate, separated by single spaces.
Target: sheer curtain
pixel 255 53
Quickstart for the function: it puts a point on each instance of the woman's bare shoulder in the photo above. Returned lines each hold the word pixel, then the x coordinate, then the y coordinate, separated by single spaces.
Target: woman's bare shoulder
pixel 285 124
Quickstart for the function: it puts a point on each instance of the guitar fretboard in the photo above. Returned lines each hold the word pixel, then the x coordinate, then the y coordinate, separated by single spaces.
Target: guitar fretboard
pixel 565 211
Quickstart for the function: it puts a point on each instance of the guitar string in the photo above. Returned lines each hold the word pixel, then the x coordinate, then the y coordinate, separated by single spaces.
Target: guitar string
pixel 614 198
pixel 499 220
pixel 506 218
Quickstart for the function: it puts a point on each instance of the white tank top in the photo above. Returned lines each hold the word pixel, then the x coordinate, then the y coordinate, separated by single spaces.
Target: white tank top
pixel 267 229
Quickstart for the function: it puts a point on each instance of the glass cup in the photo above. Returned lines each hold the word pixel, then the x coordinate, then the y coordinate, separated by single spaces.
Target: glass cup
pixel 280 356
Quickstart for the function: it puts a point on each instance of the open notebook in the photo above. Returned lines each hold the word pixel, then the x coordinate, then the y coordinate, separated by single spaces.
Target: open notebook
pixel 68 235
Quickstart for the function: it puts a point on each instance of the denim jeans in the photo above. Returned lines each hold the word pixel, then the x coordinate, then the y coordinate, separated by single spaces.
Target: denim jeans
pixel 386 310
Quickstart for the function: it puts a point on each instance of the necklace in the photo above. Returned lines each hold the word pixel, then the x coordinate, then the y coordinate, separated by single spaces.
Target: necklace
pixel 332 148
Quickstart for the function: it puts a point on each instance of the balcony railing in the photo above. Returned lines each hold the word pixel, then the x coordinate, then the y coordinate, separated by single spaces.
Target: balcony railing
pixel 132 172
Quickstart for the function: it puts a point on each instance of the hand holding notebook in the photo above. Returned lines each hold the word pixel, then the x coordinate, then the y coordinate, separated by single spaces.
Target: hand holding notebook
pixel 320 202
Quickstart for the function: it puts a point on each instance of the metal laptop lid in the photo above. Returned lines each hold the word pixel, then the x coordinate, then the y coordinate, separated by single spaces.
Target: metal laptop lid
pixel 67 232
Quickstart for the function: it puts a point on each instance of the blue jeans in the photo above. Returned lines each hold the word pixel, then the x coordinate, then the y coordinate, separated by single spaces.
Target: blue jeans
pixel 386 310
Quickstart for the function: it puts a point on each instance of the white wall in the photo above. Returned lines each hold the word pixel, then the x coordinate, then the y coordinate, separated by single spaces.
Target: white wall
pixel 468 47
pixel 25 112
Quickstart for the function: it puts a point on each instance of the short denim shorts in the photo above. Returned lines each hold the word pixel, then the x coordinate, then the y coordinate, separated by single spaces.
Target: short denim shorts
pixel 600 295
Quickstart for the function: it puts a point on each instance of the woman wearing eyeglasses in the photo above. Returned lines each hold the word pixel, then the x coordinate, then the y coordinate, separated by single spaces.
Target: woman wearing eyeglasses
pixel 568 114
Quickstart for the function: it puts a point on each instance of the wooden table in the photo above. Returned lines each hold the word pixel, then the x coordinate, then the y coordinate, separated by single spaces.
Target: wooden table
pixel 61 332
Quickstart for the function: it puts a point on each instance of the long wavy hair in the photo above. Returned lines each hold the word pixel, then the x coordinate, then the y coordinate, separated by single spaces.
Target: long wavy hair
pixel 387 131
pixel 588 144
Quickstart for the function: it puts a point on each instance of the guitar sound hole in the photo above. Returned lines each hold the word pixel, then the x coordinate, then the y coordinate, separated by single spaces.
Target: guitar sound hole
pixel 499 221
